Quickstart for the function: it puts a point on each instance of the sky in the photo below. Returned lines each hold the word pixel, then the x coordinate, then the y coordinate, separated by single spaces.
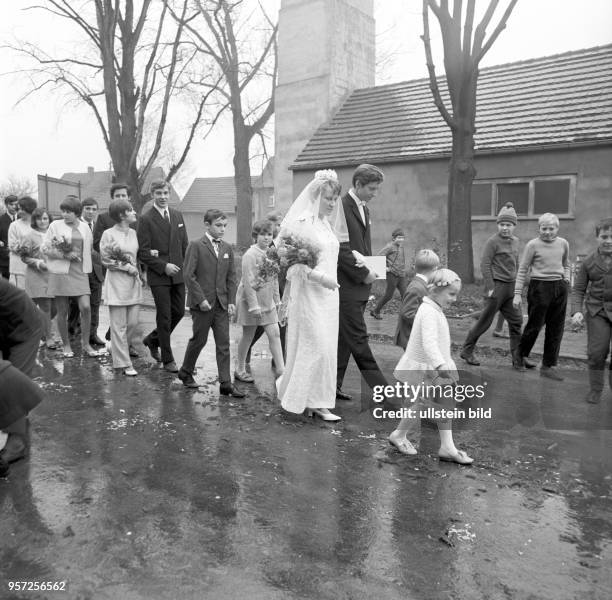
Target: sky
pixel 45 135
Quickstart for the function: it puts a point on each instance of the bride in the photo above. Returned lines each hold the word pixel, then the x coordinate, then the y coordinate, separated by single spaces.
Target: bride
pixel 311 297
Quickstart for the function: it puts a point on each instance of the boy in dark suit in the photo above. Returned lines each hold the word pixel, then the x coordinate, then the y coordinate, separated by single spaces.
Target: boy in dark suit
pixel 355 280
pixel 11 204
pixel 162 242
pixel 426 262
pixel 211 296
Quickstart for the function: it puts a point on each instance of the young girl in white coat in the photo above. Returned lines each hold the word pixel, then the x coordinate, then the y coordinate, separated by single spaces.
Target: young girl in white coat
pixel 427 360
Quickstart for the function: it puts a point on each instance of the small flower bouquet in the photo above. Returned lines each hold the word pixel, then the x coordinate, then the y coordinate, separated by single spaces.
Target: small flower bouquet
pixel 119 256
pixel 298 251
pixel 26 250
pixel 268 269
pixel 62 246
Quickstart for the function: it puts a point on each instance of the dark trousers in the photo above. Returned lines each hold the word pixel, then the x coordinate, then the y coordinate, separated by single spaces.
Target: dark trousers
pixel 546 306
pixel 353 339
pixel 170 308
pixel 203 321
pixel 4 272
pixel 23 355
pixel 501 301
pixel 599 335
pixel 95 286
pixel 259 332
pixel 393 282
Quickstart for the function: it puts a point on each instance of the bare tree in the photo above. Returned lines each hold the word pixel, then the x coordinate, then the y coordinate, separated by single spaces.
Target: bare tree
pixel 127 71
pixel 242 46
pixel 17 186
pixel 463 48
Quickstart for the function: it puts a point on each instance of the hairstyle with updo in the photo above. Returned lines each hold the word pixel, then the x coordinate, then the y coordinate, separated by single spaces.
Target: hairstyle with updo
pixel 27 204
pixel 117 209
pixel 71 204
pixel 442 278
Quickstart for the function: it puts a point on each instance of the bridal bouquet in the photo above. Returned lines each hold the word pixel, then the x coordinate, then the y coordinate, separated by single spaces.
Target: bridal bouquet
pixel 298 251
pixel 62 246
pixel 26 250
pixel 119 256
pixel 268 268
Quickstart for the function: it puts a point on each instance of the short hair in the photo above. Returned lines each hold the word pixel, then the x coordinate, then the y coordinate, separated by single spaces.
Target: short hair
pixel 117 208
pixel 120 186
pixel 159 184
pixel 212 214
pixel 9 199
pixel 548 218
pixel 275 216
pixel 365 174
pixel 27 204
pixel 442 278
pixel 71 204
pixel 37 214
pixel 426 260
pixel 89 202
pixel 262 226
pixel 397 232
pixel 603 224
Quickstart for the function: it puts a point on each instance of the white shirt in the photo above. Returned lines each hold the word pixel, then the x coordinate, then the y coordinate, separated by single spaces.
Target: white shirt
pixel 162 211
pixel 358 204
pixel 215 243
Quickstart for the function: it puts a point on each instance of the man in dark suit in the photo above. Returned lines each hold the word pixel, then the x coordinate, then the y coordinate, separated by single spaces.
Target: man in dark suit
pixel 11 204
pixel 162 241
pixel 210 278
pixel 355 280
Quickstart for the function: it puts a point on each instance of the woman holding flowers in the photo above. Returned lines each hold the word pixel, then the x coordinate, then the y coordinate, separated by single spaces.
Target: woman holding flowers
pixel 122 290
pixel 67 246
pixel 37 273
pixel 309 248
pixel 257 300
pixel 18 231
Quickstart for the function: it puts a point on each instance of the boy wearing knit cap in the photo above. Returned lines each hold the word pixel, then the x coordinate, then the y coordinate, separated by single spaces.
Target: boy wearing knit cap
pixel 548 258
pixel 498 265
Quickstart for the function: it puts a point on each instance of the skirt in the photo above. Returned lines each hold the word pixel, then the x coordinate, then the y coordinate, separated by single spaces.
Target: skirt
pixel 73 283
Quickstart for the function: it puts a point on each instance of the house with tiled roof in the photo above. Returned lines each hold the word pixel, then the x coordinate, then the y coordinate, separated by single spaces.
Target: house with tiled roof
pixel 543 141
pixel 220 192
pixel 97 184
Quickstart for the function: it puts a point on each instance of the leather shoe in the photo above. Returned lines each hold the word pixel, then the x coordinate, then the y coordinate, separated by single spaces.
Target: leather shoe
pixel 133 352
pixel 529 364
pixel 593 397
pixel 14 449
pixel 187 379
pixel 470 359
pixel 94 340
pixel 4 468
pixel 230 390
pixel 153 349
pixel 171 367
pixel 340 395
pixel 550 373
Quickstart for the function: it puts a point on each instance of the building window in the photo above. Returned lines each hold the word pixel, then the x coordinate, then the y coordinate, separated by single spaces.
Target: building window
pixel 531 196
pixel 270 200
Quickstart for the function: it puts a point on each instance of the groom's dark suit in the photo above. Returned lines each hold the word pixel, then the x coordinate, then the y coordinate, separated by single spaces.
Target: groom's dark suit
pixel 169 238
pixel 354 294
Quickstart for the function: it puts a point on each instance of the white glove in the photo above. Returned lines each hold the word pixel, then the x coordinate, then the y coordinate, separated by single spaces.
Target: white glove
pixel 577 319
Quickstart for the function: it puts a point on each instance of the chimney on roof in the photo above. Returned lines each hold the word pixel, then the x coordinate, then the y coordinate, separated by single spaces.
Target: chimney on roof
pixel 90 170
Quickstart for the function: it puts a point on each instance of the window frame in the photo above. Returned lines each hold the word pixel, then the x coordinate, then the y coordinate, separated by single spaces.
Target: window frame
pixel 571 204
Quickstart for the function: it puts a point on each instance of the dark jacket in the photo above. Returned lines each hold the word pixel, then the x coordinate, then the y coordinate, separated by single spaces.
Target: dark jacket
pixel 169 239
pixel 19 317
pixel 350 277
pixel 597 276
pixel 208 277
pixel 5 223
pixel 415 292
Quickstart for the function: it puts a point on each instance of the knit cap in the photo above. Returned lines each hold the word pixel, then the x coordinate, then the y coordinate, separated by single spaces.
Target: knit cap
pixel 507 213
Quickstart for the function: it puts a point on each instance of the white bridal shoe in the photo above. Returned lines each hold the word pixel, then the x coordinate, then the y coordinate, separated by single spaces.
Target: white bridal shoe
pixel 322 413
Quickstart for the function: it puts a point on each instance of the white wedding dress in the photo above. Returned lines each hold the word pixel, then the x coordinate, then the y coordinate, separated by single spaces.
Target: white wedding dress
pixel 309 379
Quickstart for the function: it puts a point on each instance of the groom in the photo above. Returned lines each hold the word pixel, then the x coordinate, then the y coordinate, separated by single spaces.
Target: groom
pixel 355 281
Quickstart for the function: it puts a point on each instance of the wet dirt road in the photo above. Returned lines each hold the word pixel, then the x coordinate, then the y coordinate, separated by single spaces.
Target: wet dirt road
pixel 141 489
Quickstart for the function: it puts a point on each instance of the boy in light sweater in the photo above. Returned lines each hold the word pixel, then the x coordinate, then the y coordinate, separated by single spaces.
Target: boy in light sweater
pixel 548 258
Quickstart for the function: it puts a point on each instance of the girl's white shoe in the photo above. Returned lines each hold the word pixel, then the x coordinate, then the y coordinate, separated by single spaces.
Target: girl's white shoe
pixel 322 413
